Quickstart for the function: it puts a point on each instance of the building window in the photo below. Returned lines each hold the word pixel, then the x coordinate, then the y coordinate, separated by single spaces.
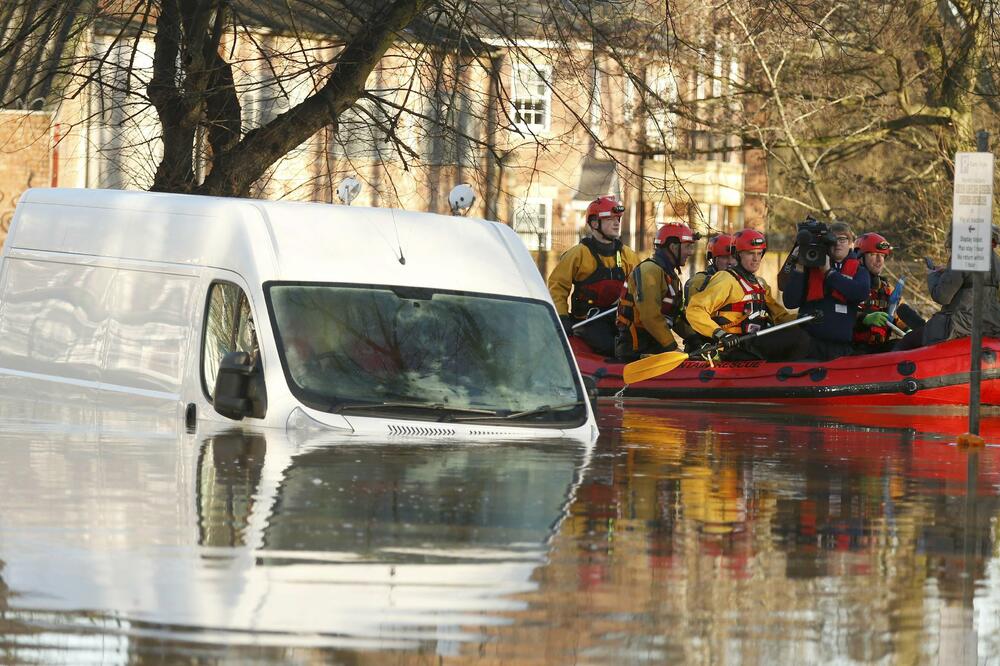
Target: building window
pixel 533 223
pixel 530 96
pixel 596 108
pixel 661 122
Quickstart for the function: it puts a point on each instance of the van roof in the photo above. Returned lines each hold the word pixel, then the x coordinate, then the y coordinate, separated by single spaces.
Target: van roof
pixel 280 240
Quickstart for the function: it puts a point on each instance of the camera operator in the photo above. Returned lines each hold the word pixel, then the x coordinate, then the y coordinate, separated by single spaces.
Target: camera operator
pixel 835 287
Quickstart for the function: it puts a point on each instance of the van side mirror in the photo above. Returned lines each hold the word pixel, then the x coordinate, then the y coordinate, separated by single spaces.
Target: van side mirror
pixel 239 388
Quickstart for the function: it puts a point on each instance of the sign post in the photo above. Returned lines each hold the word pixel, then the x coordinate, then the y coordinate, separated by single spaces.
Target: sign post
pixel 971 246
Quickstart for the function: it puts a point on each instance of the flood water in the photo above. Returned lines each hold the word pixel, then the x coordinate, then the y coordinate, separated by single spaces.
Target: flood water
pixel 683 535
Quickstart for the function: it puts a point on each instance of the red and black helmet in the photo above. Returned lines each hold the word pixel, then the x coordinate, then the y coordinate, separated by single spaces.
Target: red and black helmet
pixel 720 246
pixel 604 207
pixel 748 240
pixel 681 233
pixel 873 243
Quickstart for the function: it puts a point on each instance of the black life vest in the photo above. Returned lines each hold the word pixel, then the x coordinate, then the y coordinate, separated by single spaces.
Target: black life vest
pixel 602 288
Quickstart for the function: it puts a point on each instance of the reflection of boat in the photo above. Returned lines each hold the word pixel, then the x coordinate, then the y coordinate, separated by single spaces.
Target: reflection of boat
pixel 859 437
pixel 934 375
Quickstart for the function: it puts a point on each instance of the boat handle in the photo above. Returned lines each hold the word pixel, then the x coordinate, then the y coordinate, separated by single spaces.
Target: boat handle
pixel 817 374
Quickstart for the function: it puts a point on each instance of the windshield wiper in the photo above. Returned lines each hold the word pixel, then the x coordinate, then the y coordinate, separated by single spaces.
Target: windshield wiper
pixel 544 409
pixel 426 406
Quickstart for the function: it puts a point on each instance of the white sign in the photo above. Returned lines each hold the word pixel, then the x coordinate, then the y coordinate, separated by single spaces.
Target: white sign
pixel 972 212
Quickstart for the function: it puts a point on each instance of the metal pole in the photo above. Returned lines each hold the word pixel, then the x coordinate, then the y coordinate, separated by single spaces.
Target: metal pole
pixel 976 371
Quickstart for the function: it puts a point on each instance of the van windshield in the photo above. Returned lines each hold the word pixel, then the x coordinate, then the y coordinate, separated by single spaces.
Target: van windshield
pixel 424 354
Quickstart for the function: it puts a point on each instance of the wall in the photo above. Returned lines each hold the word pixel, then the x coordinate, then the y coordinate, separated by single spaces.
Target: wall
pixel 25 158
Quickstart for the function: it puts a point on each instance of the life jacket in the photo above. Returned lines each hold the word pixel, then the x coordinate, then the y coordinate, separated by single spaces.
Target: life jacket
pixel 600 289
pixel 878 299
pixel 705 276
pixel 816 289
pixel 751 309
pixel 671 304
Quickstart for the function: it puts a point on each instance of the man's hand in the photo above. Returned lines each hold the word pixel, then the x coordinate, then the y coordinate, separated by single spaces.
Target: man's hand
pixel 877 318
pixel 727 340
pixel 827 265
pixel 567 322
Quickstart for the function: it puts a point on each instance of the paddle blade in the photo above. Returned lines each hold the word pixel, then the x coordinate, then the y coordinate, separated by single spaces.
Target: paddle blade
pixel 652 366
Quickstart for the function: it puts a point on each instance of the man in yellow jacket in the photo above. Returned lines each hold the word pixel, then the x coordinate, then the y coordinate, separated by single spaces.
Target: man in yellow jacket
pixel 589 276
pixel 651 308
pixel 736 302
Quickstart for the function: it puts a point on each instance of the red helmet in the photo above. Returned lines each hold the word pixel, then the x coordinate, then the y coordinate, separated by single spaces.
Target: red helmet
pixel 602 207
pixel 872 242
pixel 749 239
pixel 674 231
pixel 720 246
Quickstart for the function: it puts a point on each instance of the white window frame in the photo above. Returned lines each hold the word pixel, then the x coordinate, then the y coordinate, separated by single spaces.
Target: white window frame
pixel 530 236
pixel 596 103
pixel 661 124
pixel 531 74
pixel 628 100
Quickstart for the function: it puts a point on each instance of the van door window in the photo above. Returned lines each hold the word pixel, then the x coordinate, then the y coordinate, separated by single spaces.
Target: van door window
pixel 229 327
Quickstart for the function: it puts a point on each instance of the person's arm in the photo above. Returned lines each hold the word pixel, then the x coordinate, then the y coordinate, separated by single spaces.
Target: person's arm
pixel 704 304
pixel 795 289
pixel 785 272
pixel 855 289
pixel 560 280
pixel 944 284
pixel 907 317
pixel 649 300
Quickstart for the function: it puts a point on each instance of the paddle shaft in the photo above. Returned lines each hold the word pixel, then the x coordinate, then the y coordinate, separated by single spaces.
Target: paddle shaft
pixel 594 318
pixel 768 330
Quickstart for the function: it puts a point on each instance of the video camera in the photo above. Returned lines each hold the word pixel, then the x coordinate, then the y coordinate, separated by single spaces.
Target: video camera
pixel 814 239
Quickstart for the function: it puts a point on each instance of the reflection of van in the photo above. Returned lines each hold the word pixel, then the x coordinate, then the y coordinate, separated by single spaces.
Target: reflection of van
pixel 375 321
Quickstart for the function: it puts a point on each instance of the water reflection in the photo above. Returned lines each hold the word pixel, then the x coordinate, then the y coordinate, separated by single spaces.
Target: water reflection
pixel 715 536
pixel 689 535
pixel 241 538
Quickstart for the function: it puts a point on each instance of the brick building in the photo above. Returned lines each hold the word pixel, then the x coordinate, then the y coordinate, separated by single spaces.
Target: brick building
pixel 538 128
pixel 26 157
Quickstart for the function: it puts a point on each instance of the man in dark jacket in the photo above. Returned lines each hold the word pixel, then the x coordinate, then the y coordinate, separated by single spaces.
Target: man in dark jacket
pixel 836 289
pixel 953 291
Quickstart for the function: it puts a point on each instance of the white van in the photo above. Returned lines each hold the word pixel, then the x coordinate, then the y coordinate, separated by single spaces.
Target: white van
pixel 296 315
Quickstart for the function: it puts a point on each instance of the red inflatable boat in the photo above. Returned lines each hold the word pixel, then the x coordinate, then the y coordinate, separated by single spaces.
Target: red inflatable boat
pixel 934 375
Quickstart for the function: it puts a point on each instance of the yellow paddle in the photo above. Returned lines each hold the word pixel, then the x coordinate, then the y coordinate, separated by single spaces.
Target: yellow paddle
pixel 660 364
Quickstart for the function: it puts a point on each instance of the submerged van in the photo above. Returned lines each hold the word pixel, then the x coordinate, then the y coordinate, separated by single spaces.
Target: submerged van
pixel 297 315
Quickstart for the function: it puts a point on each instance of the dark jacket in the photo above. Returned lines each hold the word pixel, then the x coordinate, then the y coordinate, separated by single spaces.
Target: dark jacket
pixel 839 312
pixel 953 290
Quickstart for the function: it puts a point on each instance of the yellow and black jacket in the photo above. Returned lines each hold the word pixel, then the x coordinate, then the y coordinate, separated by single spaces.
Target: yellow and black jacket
pixel 590 275
pixel 735 301
pixel 652 306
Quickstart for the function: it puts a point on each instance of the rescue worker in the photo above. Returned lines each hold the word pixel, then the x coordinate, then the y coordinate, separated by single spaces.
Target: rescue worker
pixel 719 257
pixel 589 276
pixel 736 302
pixel 872 332
pixel 835 289
pixel 653 301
